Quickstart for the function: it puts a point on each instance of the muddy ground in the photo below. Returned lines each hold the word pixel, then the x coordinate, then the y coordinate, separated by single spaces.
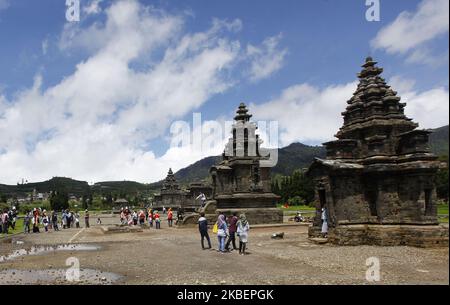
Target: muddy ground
pixel 174 256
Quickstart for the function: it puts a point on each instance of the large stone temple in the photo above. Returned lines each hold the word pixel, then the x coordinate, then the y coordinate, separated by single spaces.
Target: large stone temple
pixel 377 181
pixel 240 183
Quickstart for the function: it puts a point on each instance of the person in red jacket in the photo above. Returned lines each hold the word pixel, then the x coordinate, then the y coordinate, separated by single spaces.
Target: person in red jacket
pixel 170 217
pixel 157 220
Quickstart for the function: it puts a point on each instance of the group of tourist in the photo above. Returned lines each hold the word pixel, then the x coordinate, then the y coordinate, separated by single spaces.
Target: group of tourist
pixel 226 230
pixel 152 217
pixel 33 220
pixel 8 220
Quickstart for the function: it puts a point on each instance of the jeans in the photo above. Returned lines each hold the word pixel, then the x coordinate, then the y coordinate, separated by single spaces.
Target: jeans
pixel 158 225
pixel 204 234
pixel 242 247
pixel 26 227
pixel 170 222
pixel 222 243
pixel 231 239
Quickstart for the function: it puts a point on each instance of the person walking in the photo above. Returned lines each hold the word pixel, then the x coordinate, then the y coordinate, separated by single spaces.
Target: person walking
pixel 221 232
pixel 12 216
pixel 86 218
pixel 203 229
pixel 170 217
pixel 242 231
pixel 232 222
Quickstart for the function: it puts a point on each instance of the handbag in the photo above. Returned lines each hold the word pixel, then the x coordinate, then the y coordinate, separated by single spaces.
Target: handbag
pixel 215 228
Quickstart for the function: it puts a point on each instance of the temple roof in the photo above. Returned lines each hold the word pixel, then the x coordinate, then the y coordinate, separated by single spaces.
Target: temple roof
pixel 242 113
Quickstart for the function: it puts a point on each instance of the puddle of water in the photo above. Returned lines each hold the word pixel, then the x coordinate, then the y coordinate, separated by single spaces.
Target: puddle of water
pixel 38 250
pixel 56 276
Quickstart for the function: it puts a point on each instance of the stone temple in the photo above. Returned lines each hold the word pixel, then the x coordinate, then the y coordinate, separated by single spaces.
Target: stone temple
pixel 241 181
pixel 377 181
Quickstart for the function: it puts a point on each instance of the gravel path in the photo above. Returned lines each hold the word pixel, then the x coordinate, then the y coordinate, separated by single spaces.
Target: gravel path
pixel 174 256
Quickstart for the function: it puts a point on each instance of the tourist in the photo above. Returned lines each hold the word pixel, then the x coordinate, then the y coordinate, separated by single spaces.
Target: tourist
pixel 170 217
pixel 221 232
pixel 64 219
pixel 5 221
pixel 324 230
pixel 135 218
pixel 86 219
pixel 164 210
pixel 150 218
pixel 242 231
pixel 55 220
pixel 77 220
pixel 69 218
pixel 99 221
pixel 12 216
pixel 157 220
pixel 141 218
pixel 35 221
pixel 232 221
pixel 202 198
pixel 298 217
pixel 26 222
pixel 203 229
pixel 45 220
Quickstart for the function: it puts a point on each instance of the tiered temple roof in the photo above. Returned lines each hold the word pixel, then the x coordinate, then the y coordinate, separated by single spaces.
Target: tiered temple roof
pixel 375 124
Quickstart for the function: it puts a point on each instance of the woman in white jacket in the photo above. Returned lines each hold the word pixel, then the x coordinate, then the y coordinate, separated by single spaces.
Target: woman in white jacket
pixel 242 231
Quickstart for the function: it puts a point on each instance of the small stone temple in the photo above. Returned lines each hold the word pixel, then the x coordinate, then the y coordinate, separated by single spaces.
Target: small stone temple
pixel 240 183
pixel 377 181
pixel 171 195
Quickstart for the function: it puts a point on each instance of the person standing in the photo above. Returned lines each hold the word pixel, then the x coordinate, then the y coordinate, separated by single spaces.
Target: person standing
pixel 221 232
pixel 150 218
pixel 5 221
pixel 45 220
pixel 232 221
pixel 324 218
pixel 26 222
pixel 141 218
pixel 69 217
pixel 157 220
pixel 170 217
pixel 12 216
pixel 77 220
pixel 203 229
pixel 35 221
pixel 242 230
pixel 86 218
pixel 55 221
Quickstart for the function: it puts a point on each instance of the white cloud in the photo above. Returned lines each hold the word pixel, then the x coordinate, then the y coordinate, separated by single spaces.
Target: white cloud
pixel 309 114
pixel 412 31
pixel 45 47
pixel 265 59
pixel 94 123
pixel 93 7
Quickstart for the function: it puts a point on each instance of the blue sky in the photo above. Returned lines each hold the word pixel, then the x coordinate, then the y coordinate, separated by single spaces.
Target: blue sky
pixel 300 57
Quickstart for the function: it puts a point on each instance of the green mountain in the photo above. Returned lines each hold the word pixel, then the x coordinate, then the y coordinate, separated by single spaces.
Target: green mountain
pixel 75 187
pixel 439 141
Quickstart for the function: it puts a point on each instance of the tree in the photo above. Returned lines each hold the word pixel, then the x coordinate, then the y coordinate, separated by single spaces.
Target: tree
pixel 59 200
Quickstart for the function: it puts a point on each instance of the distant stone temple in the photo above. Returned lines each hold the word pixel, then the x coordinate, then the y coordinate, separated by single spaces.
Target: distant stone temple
pixel 172 196
pixel 240 183
pixel 377 181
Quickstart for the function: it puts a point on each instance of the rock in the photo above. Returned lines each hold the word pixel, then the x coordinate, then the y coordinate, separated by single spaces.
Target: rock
pixel 278 235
